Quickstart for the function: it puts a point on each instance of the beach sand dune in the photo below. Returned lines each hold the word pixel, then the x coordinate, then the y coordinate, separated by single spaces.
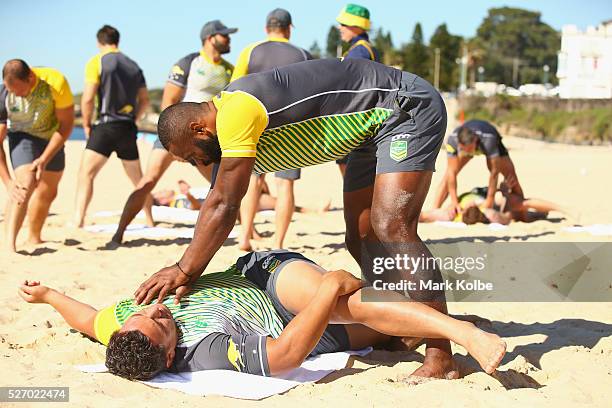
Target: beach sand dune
pixel 559 354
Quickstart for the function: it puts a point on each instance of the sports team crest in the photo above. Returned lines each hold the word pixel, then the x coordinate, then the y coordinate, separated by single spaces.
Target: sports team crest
pixel 398 150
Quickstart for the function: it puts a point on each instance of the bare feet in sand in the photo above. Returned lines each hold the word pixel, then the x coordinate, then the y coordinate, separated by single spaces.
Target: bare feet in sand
pixel 437 365
pixel 487 348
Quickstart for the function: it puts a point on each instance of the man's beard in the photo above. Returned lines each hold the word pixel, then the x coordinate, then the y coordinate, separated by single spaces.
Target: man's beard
pixel 220 47
pixel 211 148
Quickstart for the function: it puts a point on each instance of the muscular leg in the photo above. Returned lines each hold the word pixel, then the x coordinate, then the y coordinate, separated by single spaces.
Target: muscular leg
pixel 158 163
pixel 510 178
pixel 91 163
pixel 43 196
pixel 357 218
pixel 542 205
pixel 285 204
pixel 134 172
pixel 299 282
pixel 248 209
pixel 15 212
pixel 394 219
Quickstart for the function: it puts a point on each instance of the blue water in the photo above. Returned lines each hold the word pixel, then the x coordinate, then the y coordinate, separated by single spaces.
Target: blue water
pixel 79 134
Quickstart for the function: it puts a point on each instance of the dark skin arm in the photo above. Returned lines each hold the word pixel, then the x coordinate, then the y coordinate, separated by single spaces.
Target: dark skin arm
pixel 455 164
pixel 494 170
pixel 216 220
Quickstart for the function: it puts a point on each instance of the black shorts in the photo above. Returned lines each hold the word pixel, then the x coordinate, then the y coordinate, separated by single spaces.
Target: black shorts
pixel 409 140
pixel 263 269
pixel 25 148
pixel 119 137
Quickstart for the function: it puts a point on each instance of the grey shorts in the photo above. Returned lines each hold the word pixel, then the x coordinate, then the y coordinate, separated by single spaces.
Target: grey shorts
pixel 25 148
pixel 263 269
pixel 409 140
pixel 293 174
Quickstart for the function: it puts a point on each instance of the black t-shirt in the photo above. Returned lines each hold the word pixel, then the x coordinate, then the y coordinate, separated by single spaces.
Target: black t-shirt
pixel 489 140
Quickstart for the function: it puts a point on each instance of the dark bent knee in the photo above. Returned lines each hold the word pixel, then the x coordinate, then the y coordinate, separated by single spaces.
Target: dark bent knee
pixel 146 185
pixel 388 227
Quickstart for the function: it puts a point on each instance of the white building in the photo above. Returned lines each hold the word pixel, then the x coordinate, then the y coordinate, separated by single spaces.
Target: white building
pixel 585 62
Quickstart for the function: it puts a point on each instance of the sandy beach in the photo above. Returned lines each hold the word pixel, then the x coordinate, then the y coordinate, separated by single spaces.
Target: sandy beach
pixel 559 354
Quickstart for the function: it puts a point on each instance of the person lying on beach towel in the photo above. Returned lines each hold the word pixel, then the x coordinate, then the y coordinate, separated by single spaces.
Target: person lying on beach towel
pixel 264 315
pixel 169 198
pixel 509 206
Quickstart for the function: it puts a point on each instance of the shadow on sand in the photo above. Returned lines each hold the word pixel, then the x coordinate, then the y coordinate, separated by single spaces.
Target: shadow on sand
pixel 559 334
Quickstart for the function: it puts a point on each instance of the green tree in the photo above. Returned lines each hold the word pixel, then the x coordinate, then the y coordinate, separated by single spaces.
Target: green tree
pixel 315 50
pixel 415 55
pixel 333 40
pixel 517 44
pixel 450 49
pixel 384 44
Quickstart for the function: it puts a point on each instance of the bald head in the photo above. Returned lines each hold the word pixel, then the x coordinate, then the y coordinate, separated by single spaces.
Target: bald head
pixel 173 125
pixel 187 130
pixel 16 69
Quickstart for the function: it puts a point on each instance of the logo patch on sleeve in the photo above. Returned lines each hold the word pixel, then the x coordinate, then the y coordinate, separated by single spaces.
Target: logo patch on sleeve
pixel 398 150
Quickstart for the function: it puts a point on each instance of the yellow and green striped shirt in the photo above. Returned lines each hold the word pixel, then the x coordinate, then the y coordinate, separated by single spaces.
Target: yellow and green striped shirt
pixel 306 113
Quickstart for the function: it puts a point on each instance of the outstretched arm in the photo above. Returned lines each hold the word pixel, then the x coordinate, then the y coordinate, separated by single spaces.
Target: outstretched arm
pixel 79 316
pixel 216 220
pixel 494 170
pixel 455 164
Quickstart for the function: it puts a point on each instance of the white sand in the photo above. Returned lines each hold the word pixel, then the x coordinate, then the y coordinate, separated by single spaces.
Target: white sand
pixel 559 354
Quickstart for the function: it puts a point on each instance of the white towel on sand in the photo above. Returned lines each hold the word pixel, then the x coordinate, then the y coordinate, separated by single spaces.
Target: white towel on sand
pixel 142 231
pixel 595 229
pixel 245 386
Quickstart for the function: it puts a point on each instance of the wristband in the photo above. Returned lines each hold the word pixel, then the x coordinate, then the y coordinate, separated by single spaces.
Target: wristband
pixel 182 271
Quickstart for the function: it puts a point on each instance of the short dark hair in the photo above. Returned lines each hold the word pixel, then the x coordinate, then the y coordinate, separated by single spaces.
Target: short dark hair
pixel 16 69
pixel 473 215
pixel 172 123
pixel 131 355
pixel 466 135
pixel 108 35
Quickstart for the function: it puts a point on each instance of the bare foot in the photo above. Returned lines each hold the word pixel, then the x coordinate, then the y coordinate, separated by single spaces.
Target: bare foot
pixel 437 364
pixel 478 321
pixel 245 245
pixel 325 207
pixel 111 245
pixel 75 225
pixel 35 241
pixel 487 348
pixel 117 239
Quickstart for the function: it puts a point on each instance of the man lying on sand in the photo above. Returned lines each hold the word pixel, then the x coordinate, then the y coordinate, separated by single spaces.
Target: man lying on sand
pixel 169 198
pixel 509 206
pixel 264 315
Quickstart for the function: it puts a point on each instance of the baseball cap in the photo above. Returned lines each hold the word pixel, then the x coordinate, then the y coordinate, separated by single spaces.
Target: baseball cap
pixel 278 18
pixel 215 27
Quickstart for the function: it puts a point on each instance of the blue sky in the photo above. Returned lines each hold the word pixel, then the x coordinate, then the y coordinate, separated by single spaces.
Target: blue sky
pixel 61 33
